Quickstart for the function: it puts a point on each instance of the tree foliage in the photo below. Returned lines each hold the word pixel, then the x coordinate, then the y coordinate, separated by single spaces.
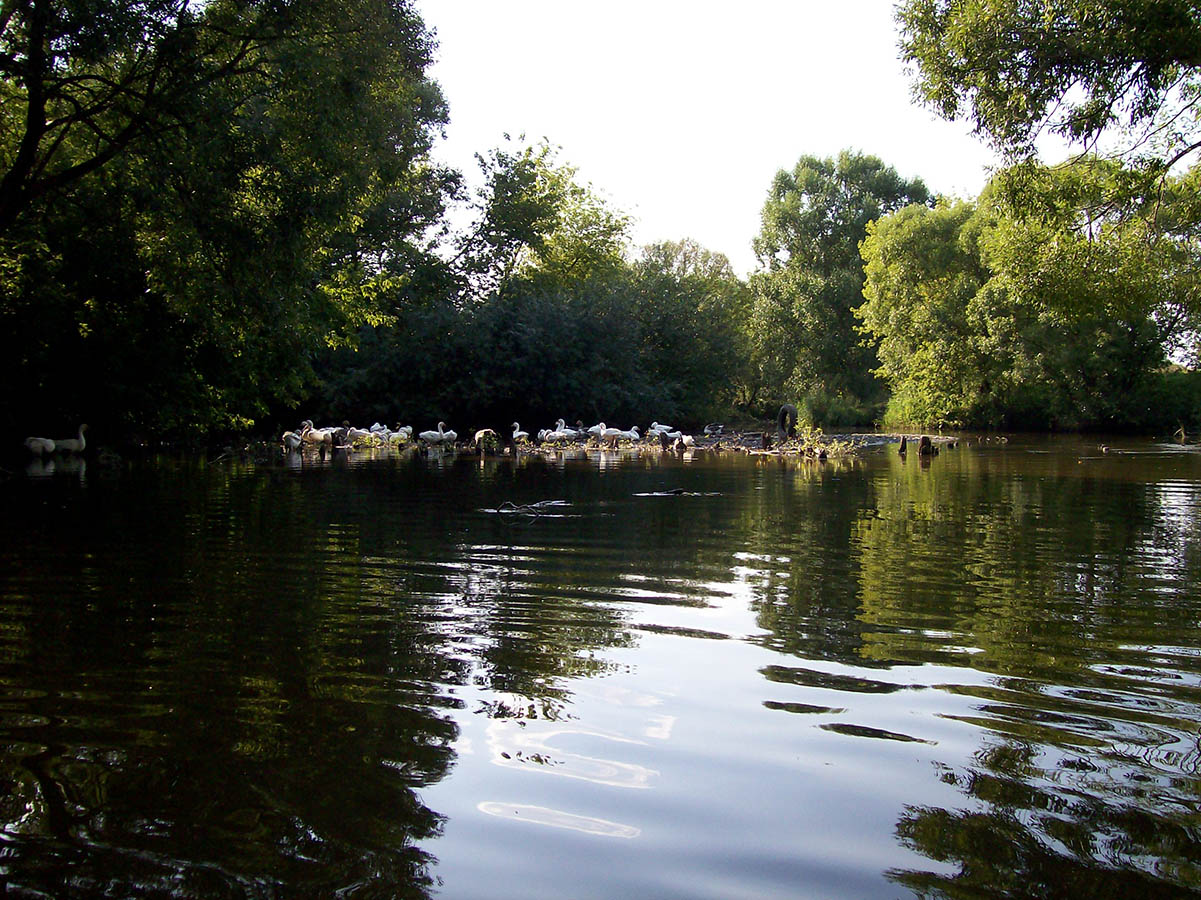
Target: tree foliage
pixel 1058 311
pixel 269 189
pixel 1076 68
pixel 538 313
pixel 804 336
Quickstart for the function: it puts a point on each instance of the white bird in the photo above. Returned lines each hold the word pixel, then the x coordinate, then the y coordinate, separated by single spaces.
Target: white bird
pixel 632 434
pixel 612 435
pixel 655 426
pixel 73 445
pixel 316 436
pixel 39 446
pixel 440 436
pixel 569 434
pixel 401 435
pixel 597 430
pixel 519 436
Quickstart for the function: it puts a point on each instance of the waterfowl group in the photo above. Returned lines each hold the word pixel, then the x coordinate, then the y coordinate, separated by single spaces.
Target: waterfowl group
pixel 309 436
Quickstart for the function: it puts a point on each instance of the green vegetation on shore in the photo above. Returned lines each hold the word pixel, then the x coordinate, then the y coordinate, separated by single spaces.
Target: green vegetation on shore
pixel 216 217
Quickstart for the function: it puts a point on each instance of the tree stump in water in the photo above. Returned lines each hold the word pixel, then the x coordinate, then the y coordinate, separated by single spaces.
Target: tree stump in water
pixel 926 447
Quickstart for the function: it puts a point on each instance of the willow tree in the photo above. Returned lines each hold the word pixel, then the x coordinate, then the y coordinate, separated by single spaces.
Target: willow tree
pixel 1079 69
pixel 1060 310
pixel 804 333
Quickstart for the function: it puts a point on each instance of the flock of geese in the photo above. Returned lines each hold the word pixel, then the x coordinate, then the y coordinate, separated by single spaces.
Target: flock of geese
pixel 310 437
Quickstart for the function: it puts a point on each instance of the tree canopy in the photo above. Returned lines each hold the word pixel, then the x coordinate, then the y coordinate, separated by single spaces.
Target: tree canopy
pixel 804 335
pixel 1055 312
pixel 199 198
pixel 1075 68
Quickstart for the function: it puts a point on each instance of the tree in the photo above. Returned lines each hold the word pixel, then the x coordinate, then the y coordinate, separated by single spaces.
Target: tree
pixel 811 276
pixel 1079 69
pixel 1057 310
pixel 692 310
pixel 534 301
pixel 202 254
pixel 923 268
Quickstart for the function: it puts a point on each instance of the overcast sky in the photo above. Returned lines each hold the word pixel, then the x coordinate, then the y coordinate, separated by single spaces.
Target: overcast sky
pixel 680 113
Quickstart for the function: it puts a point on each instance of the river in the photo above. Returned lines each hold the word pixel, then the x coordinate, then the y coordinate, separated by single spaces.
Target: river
pixel 606 675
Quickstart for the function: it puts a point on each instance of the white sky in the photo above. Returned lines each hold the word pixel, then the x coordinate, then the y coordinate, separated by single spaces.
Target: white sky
pixel 680 113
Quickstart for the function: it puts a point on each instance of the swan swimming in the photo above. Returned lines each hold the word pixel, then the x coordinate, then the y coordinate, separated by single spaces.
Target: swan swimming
pixel 75 444
pixel 39 446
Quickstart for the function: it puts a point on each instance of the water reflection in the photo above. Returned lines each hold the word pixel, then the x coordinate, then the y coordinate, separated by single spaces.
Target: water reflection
pixel 361 676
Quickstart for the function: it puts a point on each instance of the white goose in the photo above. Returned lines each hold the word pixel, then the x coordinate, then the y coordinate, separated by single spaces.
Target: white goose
pixel 612 435
pixel 316 437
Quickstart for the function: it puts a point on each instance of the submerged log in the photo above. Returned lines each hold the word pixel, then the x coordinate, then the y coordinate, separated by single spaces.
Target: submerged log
pixel 926 446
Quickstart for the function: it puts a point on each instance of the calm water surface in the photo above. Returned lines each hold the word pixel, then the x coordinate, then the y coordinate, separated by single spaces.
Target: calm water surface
pixel 975 678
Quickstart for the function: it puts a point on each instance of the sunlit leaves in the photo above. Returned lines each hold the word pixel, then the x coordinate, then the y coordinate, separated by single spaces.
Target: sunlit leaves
pixel 1076 68
pixel 803 331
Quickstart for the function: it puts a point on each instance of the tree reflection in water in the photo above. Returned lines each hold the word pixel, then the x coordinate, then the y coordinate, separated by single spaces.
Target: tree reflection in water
pixel 240 682
pixel 1059 582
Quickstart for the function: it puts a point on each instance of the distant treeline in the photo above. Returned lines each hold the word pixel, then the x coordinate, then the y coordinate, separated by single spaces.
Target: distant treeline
pixel 226 216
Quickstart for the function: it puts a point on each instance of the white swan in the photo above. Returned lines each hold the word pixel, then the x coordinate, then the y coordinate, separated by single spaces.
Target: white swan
pixel 655 426
pixel 441 436
pixel 597 430
pixel 567 432
pixel 612 435
pixel 519 436
pixel 73 445
pixel 632 434
pixel 317 437
pixel 39 446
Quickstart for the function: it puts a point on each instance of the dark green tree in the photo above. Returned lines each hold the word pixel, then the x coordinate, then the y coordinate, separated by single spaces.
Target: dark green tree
pixel 199 249
pixel 692 312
